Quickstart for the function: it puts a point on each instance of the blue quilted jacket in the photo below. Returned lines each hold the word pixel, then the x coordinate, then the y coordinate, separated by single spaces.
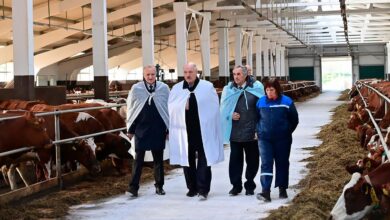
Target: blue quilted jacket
pixel 277 118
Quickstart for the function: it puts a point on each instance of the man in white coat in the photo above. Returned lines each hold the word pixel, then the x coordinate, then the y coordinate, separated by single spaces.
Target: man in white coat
pixel 194 130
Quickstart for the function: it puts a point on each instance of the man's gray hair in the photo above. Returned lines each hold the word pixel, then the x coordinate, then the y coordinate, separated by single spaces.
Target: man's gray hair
pixel 193 65
pixel 244 69
pixel 150 66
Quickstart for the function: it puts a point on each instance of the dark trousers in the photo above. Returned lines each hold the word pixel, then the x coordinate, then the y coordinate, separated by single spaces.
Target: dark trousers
pixel 197 175
pixel 277 150
pixel 137 168
pixel 236 163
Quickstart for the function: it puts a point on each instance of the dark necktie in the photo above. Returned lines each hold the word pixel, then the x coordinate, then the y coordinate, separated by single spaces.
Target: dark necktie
pixel 151 88
pixel 240 87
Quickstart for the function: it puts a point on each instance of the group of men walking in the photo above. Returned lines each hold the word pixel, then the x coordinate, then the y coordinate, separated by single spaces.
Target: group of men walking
pixel 253 120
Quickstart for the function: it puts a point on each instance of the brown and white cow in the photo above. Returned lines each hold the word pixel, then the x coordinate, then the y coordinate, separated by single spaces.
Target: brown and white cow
pixel 361 194
pixel 24 131
pixel 116 146
pixel 385 201
pixel 81 151
pixel 112 146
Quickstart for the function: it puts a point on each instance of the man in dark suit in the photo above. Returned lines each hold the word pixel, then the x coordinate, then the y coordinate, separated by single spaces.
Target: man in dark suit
pixel 148 121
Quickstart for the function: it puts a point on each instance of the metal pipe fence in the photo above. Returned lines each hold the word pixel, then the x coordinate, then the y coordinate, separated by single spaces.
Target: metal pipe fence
pixel 359 85
pixel 57 140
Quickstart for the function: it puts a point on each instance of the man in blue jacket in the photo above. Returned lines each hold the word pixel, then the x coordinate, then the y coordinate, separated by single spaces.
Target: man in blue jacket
pixel 239 117
pixel 278 119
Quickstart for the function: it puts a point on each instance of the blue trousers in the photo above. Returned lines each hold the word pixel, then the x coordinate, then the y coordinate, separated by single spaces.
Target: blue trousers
pixel 277 150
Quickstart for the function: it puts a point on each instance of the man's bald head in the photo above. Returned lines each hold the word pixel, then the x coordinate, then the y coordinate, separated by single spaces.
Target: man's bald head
pixel 190 72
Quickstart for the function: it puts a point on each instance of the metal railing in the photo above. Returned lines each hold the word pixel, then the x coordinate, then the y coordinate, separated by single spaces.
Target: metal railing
pixel 92 95
pixel 297 87
pixel 373 121
pixel 57 141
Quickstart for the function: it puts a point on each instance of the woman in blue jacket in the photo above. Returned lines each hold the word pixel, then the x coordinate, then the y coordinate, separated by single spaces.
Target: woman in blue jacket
pixel 278 119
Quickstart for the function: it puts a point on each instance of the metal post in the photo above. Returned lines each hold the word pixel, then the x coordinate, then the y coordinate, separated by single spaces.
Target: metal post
pixel 258 49
pixel 58 150
pixel 223 49
pixel 205 45
pixel 237 51
pixel 266 44
pixel 180 9
pixel 249 56
pixel 147 32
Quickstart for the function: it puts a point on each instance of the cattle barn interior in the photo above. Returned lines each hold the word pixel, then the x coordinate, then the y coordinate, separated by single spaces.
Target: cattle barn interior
pixel 64 55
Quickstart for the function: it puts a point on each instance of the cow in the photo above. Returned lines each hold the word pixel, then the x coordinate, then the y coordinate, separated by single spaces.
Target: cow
pixel 385 122
pixel 18 104
pixel 80 150
pixel 376 105
pixel 385 201
pixel 358 118
pixel 112 146
pixel 361 194
pixel 121 110
pixel 355 103
pixel 364 166
pixel 116 146
pixel 26 130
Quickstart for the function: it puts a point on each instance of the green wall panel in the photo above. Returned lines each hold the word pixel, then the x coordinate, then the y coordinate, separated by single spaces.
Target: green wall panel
pixel 301 73
pixel 366 72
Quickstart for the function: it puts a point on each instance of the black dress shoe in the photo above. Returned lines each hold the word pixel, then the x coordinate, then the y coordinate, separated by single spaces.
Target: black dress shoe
pixel 249 192
pixel 191 193
pixel 160 191
pixel 265 196
pixel 283 193
pixel 234 191
pixel 133 192
pixel 203 196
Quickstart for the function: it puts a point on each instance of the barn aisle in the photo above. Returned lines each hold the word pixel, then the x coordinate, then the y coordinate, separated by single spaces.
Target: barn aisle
pixel 175 205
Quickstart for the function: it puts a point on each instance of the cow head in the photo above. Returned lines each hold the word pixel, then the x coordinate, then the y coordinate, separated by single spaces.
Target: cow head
pixel 118 145
pixel 355 168
pixel 361 194
pixel 355 201
pixel 86 156
pixel 35 132
pixel 354 121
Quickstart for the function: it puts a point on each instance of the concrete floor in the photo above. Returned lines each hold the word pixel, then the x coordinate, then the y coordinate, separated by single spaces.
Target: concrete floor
pixel 175 205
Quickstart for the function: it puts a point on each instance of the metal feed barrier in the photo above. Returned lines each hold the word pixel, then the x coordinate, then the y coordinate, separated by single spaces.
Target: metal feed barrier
pixel 297 87
pixel 83 96
pixel 358 85
pixel 16 194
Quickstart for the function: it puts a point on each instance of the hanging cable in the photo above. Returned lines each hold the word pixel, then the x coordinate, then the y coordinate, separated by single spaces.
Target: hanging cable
pixel 3 10
pixel 82 14
pixel 343 10
pixel 123 26
pixel 48 11
pixel 66 17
